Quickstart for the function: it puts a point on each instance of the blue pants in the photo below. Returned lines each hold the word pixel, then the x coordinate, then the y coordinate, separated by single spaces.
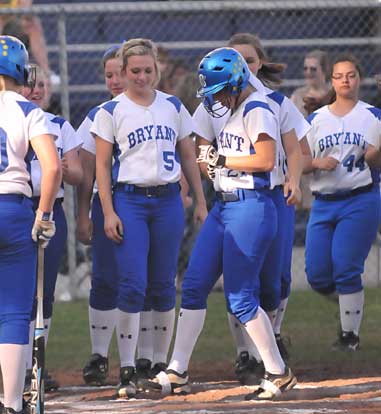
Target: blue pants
pixel 146 259
pixel 18 261
pixel 234 241
pixel 273 265
pixel 289 224
pixel 339 236
pixel 52 258
pixel 104 281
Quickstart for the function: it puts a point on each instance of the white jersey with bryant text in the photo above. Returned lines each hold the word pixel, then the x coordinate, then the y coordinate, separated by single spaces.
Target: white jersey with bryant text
pixel 144 138
pixel 287 114
pixel 67 139
pixel 20 121
pixel 237 138
pixel 345 139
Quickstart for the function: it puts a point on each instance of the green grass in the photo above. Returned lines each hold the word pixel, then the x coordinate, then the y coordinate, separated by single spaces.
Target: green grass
pixel 311 322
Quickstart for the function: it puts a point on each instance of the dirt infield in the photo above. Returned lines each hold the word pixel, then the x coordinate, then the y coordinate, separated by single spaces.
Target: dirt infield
pixel 357 395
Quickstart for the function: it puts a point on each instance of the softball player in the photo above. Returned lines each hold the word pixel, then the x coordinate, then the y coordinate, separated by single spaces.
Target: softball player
pixel 23 128
pixel 240 227
pixel 104 282
pixel 67 143
pixel 146 131
pixel 342 224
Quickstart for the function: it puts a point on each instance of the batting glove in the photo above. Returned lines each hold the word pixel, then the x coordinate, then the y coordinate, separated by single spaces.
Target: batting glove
pixel 43 228
pixel 209 155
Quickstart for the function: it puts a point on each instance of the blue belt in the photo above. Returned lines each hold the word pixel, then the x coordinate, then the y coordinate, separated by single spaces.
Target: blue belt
pixel 236 195
pixel 18 198
pixel 155 191
pixel 342 195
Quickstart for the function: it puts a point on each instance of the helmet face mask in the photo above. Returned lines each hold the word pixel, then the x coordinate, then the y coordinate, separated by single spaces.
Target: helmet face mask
pixel 222 68
pixel 13 59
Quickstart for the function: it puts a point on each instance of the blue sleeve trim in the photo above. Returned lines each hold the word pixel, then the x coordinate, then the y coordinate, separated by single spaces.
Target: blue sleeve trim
pixel 92 113
pixel 311 117
pixel 58 120
pixel 176 102
pixel 256 104
pixel 276 97
pixel 110 106
pixel 375 111
pixel 27 107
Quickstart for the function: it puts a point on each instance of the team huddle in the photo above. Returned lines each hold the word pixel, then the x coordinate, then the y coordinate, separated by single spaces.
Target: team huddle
pixel 127 160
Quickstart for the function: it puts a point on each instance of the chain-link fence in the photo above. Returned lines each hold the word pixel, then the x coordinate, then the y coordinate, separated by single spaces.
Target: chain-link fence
pixel 77 35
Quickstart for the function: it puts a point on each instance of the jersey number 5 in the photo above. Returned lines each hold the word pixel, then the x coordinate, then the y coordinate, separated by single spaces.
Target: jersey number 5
pixel 169 160
pixel 4 162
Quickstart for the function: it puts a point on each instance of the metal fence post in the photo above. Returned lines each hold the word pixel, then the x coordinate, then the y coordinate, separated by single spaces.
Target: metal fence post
pixel 69 204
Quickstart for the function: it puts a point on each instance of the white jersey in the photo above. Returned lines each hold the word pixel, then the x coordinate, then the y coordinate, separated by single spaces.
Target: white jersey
pixel 67 139
pixel 144 138
pixel 346 139
pixel 288 116
pixel 20 121
pixel 238 137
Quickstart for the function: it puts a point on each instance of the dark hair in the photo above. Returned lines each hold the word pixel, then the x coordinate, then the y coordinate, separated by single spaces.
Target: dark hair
pixel 270 72
pixel 312 104
pixel 323 59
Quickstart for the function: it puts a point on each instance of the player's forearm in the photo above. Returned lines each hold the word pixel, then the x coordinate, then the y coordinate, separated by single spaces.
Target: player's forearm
pixel 373 157
pixel 192 174
pixel 251 163
pixel 50 184
pixel 306 156
pixel 103 176
pixel 294 156
pixel 73 175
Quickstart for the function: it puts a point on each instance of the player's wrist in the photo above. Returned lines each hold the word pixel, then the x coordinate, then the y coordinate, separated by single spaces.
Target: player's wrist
pixel 44 215
pixel 221 161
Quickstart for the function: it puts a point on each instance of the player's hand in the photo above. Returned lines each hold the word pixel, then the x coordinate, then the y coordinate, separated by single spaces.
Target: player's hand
pixel 43 229
pixel 84 230
pixel 326 163
pixel 200 213
pixel 211 170
pixel 114 228
pixel 292 193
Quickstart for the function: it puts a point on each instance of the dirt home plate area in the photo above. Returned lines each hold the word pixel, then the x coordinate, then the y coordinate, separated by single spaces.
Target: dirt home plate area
pixel 346 396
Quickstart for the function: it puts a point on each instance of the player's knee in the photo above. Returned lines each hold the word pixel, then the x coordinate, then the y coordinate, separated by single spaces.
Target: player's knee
pixel 193 299
pixel 244 310
pixel 348 285
pixel 131 300
pixel 165 301
pixel 270 300
pixel 15 329
pixel 103 296
pixel 323 290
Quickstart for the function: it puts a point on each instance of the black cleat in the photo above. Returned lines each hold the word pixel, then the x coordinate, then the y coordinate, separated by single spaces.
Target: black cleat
pixel 348 341
pixel 143 371
pixel 127 385
pixel 96 370
pixel 158 367
pixel 247 370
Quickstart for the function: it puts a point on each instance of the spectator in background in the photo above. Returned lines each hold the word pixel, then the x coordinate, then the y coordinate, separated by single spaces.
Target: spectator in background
pixel 29 30
pixel 316 72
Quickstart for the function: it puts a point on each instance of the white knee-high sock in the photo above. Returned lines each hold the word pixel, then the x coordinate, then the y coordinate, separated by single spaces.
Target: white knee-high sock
pixel 12 361
pixel 163 324
pixel 351 311
pixel 145 340
pixel 279 316
pixel 102 324
pixel 189 327
pixel 261 332
pixel 127 330
pixel 241 338
pixel 29 347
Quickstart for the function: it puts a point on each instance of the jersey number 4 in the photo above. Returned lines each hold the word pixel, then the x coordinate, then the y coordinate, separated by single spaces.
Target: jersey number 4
pixel 4 162
pixel 349 162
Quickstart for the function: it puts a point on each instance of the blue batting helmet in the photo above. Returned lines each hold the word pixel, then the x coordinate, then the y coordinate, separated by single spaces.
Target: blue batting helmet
pixel 223 67
pixel 13 59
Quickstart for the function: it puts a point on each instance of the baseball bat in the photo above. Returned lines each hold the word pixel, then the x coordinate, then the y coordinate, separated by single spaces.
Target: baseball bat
pixel 38 363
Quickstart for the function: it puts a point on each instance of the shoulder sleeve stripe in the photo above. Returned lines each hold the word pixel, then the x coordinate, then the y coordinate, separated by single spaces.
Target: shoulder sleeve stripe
pixel 311 117
pixel 58 120
pixel 176 102
pixel 27 107
pixel 92 113
pixel 256 104
pixel 110 106
pixel 276 97
pixel 375 111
